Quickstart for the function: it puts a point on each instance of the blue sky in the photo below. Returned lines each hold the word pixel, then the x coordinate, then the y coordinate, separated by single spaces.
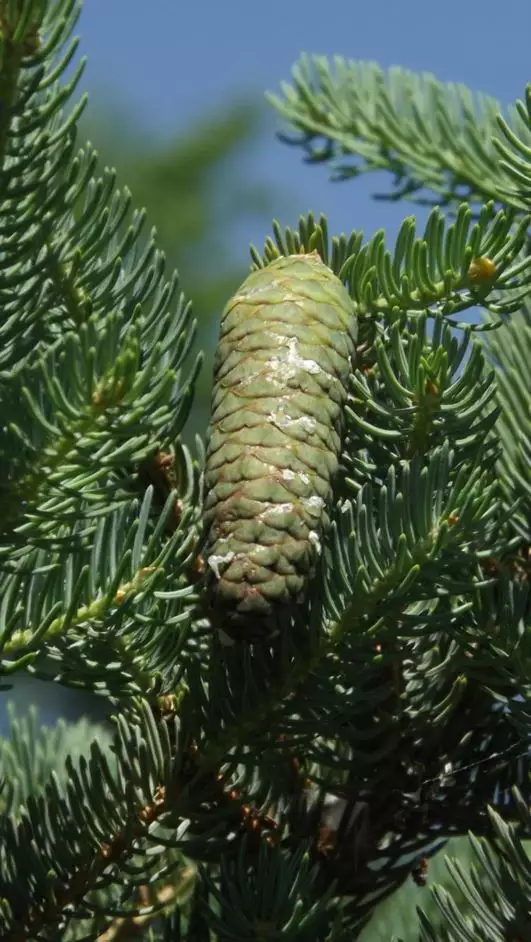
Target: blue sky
pixel 169 61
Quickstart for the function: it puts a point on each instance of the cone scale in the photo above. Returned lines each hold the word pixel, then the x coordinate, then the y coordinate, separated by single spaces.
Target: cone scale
pixel 280 374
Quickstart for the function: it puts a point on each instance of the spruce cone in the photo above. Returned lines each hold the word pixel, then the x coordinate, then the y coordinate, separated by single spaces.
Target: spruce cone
pixel 282 363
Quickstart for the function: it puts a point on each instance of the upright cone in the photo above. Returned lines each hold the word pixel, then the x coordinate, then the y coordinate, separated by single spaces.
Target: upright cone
pixel 283 359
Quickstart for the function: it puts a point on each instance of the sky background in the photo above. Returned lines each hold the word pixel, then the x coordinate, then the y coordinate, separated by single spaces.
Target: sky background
pixel 170 61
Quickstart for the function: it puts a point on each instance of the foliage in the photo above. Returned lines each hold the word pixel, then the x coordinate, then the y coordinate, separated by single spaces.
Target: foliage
pixel 428 135
pixel 280 789
pixel 197 200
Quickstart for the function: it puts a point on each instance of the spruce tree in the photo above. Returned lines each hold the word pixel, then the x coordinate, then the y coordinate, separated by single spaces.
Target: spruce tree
pixel 311 628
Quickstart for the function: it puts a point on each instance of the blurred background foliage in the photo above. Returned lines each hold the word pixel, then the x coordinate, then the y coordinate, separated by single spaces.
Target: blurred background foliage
pixel 199 194
pixel 395 920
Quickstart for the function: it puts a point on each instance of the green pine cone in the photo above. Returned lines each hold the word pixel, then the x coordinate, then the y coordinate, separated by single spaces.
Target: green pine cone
pixel 282 363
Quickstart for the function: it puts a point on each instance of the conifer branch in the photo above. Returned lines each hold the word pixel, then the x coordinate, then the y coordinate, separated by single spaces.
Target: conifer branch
pixel 429 136
pixel 447 270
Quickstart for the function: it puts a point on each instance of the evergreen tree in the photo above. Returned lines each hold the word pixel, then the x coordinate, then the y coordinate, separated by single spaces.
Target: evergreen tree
pixel 312 633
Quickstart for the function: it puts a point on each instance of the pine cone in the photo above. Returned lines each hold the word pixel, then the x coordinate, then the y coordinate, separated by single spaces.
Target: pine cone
pixel 282 363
